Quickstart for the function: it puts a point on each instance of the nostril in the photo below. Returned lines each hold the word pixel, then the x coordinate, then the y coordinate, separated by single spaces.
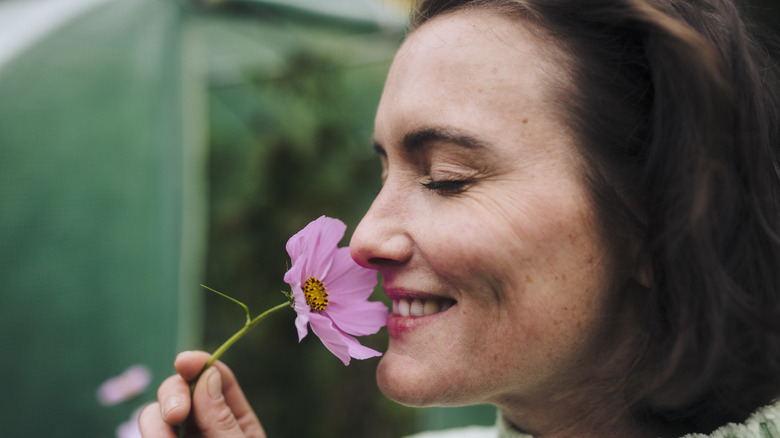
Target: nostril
pixel 376 246
pixel 380 253
pixel 378 262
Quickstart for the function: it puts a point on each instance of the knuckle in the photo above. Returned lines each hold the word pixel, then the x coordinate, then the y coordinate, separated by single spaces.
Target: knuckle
pixel 222 419
pixel 251 427
pixel 169 385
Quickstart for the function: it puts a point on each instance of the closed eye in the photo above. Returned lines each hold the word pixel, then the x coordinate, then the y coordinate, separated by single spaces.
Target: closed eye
pixel 446 187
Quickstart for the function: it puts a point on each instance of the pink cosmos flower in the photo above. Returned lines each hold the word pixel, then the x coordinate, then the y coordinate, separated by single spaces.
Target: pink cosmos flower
pixel 130 429
pixel 127 385
pixel 331 291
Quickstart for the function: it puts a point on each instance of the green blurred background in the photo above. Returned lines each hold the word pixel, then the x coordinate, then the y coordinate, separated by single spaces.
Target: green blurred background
pixel 147 146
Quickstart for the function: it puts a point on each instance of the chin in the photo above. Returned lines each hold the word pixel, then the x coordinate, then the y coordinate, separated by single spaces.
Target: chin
pixel 403 380
pixel 400 383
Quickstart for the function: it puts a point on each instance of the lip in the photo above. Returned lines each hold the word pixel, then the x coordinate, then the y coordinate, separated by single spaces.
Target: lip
pixel 398 326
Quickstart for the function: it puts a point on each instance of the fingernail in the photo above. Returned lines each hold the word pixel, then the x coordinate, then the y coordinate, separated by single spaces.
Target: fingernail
pixel 170 404
pixel 215 385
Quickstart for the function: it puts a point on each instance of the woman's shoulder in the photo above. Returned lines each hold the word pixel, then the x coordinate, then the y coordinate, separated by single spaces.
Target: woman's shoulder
pixel 763 423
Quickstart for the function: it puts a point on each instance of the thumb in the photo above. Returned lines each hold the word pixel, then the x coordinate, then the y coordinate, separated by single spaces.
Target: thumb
pixel 214 417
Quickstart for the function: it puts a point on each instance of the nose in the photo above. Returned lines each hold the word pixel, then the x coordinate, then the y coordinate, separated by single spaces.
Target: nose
pixel 382 239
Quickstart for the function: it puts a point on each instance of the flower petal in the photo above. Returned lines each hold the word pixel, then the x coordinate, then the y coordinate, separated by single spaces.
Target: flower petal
pixel 358 351
pixel 339 343
pixel 294 275
pixel 348 278
pixel 358 287
pixel 303 311
pixel 130 383
pixel 331 337
pixel 316 241
pixel 360 318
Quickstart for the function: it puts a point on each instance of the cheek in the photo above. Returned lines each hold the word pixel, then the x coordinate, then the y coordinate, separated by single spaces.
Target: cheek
pixel 542 277
pixel 509 249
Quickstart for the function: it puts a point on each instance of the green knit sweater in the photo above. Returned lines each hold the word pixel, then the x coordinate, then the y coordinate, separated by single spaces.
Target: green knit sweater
pixel 764 423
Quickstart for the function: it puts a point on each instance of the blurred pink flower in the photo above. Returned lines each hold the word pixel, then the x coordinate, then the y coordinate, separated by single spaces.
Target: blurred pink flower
pixel 127 385
pixel 130 429
pixel 331 291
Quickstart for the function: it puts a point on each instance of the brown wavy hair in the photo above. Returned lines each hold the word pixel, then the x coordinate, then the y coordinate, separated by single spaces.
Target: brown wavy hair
pixel 676 108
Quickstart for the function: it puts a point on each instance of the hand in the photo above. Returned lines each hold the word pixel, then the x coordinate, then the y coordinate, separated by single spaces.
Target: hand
pixel 219 405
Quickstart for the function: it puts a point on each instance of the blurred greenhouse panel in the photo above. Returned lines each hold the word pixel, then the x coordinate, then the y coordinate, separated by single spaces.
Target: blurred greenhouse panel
pixel 98 193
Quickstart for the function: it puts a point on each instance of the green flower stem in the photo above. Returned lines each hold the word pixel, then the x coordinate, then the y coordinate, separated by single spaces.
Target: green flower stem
pixel 249 325
pixel 239 334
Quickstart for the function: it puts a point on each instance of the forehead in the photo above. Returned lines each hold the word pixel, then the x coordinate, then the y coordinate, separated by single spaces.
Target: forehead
pixel 462 68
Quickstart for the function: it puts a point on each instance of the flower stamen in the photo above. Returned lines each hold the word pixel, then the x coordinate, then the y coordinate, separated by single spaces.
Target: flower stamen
pixel 314 291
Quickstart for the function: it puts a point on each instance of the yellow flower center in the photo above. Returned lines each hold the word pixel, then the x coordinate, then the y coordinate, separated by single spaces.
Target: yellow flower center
pixel 315 294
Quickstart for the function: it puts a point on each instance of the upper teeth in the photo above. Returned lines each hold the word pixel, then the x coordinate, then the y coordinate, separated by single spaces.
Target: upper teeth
pixel 420 307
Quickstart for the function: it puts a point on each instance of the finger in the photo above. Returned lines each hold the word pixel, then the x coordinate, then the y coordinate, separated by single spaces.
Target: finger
pixel 151 424
pixel 239 405
pixel 214 417
pixel 173 398
pixel 190 363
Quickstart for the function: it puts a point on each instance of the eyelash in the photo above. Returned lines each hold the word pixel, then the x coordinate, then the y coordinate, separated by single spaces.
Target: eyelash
pixel 446 187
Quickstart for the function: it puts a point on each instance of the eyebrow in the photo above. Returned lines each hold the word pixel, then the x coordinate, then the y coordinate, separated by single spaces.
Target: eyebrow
pixel 422 138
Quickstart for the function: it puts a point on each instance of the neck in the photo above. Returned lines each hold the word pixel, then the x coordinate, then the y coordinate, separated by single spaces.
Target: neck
pixel 580 425
pixel 589 403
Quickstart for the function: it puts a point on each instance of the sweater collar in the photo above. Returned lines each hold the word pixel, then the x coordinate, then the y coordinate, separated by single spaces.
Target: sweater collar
pixel 763 423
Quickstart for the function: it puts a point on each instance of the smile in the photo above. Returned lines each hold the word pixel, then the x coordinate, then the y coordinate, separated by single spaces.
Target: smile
pixel 420 307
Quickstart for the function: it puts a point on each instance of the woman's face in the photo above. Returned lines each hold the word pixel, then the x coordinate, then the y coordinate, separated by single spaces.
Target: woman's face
pixel 483 230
